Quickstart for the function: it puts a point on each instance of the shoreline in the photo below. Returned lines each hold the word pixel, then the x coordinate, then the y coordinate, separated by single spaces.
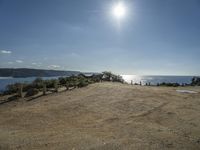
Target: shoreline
pixel 136 80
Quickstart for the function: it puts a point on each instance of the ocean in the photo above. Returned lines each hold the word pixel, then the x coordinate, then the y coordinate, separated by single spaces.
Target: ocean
pixel 154 80
pixel 4 81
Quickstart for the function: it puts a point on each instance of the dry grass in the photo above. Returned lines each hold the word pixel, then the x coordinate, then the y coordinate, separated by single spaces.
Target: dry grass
pixel 104 116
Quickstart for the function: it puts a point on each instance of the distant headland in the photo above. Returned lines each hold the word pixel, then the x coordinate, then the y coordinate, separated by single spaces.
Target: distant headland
pixel 27 72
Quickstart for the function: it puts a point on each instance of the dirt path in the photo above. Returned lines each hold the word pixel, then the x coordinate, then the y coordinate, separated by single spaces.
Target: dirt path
pixel 104 116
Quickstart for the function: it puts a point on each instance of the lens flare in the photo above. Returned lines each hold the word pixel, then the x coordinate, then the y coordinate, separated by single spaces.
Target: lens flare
pixel 119 10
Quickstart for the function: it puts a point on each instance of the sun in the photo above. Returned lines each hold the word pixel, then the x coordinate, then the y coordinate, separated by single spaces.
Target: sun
pixel 119 10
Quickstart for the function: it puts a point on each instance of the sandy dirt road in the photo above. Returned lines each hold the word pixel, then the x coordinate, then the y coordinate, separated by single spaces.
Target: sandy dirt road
pixel 104 116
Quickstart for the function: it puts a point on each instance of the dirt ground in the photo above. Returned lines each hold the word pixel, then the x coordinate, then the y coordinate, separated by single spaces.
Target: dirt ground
pixel 104 116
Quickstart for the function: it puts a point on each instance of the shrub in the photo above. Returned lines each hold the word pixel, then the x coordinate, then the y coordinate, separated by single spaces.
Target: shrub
pixel 82 83
pixel 195 81
pixel 32 92
pixel 12 88
pixel 96 78
pixel 27 86
pixel 62 80
pixel 169 84
pixel 72 81
pixel 38 83
pixel 50 83
pixel 108 76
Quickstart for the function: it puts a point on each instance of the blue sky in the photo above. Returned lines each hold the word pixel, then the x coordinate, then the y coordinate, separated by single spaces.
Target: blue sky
pixel 155 37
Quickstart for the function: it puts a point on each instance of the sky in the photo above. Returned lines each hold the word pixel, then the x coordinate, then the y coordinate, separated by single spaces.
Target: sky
pixel 153 38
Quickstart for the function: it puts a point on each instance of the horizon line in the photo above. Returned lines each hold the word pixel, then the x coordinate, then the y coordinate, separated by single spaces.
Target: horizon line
pixel 103 71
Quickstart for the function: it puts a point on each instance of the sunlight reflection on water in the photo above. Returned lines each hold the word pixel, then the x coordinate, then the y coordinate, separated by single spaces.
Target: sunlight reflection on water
pixel 153 80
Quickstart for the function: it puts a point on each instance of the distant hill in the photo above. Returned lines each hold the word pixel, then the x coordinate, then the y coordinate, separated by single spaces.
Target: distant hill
pixel 25 72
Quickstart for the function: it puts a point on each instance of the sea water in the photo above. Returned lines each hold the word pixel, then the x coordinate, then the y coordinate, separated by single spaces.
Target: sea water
pixel 4 81
pixel 153 80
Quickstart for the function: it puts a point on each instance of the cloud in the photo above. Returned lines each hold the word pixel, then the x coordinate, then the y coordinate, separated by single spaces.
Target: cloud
pixel 19 61
pixel 5 52
pixel 54 66
pixel 36 64
pixel 10 62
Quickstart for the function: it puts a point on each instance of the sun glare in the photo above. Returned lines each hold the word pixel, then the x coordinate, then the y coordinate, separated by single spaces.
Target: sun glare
pixel 119 10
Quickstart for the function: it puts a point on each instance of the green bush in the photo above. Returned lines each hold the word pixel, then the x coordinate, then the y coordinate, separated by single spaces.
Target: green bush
pixel 73 81
pixel 96 78
pixel 82 83
pixel 50 83
pixel 38 83
pixel 109 76
pixel 12 88
pixel 62 80
pixel 169 84
pixel 195 81
pixel 32 92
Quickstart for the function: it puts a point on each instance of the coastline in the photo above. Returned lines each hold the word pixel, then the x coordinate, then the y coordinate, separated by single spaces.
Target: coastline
pixel 135 78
